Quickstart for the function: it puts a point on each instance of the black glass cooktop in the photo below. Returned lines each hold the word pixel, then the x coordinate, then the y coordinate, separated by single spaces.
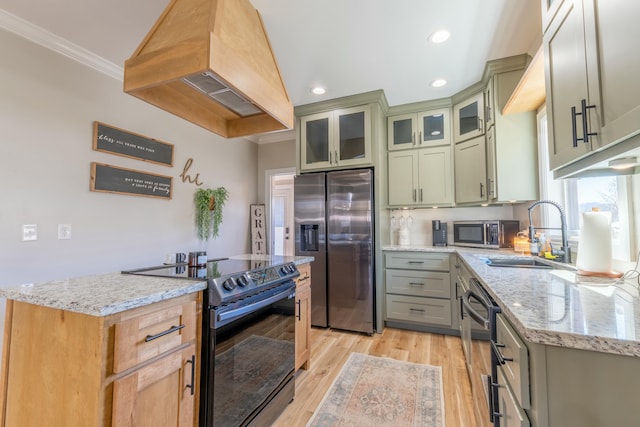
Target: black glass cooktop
pixel 213 270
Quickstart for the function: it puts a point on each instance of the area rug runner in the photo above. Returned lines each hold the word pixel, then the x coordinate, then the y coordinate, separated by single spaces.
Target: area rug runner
pixel 382 392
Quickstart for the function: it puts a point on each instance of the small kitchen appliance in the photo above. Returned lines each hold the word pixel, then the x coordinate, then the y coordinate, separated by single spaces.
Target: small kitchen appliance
pixel 439 232
pixel 485 234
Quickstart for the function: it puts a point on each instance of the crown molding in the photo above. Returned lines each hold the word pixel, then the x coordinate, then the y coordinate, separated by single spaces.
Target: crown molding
pixel 44 38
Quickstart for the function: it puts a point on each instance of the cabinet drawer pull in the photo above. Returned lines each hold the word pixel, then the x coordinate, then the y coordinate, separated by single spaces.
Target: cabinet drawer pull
pixel 413 138
pixel 299 315
pixel 420 137
pixel 421 194
pixel 330 158
pixel 415 262
pixel 585 131
pixel 193 374
pixel 414 195
pixel 416 284
pixel 420 310
pixel 574 115
pixel 163 333
pixel 500 358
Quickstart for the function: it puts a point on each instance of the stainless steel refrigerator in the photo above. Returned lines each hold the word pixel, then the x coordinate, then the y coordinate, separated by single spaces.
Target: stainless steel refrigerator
pixel 334 224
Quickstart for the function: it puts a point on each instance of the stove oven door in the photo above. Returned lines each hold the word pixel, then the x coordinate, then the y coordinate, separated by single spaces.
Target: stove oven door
pixel 249 378
pixel 480 311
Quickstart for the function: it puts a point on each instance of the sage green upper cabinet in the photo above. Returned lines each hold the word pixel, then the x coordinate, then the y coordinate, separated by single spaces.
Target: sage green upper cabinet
pixel 591 77
pixel 468 118
pixel 471 171
pixel 566 84
pixel 610 27
pixel 489 107
pixel 421 177
pixel 512 160
pixel 419 129
pixel 336 139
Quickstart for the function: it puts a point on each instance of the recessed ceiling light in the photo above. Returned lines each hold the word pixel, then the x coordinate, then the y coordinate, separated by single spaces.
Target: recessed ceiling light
pixel 438 83
pixel 439 36
pixel 624 163
pixel 318 90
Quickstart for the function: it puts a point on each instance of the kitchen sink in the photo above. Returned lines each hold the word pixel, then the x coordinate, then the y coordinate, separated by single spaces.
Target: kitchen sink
pixel 518 262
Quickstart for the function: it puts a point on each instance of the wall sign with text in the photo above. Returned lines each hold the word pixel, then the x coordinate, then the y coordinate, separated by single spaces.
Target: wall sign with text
pixel 258 244
pixel 117 141
pixel 112 179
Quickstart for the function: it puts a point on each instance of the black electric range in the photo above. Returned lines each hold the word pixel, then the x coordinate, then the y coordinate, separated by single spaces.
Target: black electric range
pixel 228 280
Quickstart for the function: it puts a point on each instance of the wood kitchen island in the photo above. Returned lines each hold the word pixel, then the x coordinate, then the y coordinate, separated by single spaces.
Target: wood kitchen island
pixel 72 357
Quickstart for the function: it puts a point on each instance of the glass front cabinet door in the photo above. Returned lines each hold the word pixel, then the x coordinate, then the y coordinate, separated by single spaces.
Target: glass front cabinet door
pixel 335 139
pixel 468 118
pixel 419 129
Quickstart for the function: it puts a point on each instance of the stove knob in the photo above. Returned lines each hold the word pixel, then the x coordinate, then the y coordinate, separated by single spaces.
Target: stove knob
pixel 284 269
pixel 229 284
pixel 242 281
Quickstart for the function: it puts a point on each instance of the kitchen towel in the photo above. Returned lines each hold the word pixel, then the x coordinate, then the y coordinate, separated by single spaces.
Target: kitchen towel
pixel 594 247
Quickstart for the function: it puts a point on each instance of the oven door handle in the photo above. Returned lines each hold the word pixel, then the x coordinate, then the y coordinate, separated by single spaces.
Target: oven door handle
pixel 231 315
pixel 466 300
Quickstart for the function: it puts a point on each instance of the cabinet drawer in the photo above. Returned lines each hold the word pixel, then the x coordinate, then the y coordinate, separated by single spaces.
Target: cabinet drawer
pixel 516 369
pixel 149 334
pixel 417 260
pixel 511 414
pixel 419 283
pixel 305 275
pixel 421 310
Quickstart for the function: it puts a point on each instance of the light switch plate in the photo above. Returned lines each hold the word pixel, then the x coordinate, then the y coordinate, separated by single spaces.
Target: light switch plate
pixel 29 232
pixel 64 231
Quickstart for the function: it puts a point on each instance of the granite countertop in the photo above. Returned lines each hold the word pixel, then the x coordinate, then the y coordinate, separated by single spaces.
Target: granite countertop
pixel 102 295
pixel 556 307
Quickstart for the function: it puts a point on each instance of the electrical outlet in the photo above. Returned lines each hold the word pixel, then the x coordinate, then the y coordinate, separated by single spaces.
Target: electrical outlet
pixel 64 231
pixel 29 232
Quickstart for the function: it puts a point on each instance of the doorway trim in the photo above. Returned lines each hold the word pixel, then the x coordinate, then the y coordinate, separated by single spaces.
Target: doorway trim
pixel 268 174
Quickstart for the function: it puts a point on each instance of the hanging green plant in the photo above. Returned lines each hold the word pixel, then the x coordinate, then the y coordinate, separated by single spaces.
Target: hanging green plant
pixel 209 203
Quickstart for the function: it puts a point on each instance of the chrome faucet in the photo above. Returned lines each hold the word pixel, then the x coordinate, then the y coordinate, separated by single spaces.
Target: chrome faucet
pixel 565 250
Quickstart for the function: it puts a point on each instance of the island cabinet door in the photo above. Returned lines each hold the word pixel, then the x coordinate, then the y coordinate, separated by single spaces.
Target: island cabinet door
pixel 161 393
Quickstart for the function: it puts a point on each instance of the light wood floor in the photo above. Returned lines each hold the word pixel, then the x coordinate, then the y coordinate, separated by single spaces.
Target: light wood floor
pixel 331 348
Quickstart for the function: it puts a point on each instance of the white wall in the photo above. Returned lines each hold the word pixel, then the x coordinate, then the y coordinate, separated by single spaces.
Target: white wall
pixel 47 106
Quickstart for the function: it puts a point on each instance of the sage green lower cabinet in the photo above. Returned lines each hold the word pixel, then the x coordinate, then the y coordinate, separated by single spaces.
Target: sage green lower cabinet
pixel 546 385
pixel 421 177
pixel 419 291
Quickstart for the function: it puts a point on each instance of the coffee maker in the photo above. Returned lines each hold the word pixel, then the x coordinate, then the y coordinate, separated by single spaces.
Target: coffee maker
pixel 439 232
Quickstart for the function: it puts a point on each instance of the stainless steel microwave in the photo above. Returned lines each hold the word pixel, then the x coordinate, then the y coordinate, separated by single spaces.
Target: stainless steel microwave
pixel 485 234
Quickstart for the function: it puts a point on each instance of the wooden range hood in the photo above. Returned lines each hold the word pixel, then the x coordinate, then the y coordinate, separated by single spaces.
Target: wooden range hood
pixel 210 62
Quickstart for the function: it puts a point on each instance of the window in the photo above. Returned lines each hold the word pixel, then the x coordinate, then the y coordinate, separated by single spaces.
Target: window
pixel 611 194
